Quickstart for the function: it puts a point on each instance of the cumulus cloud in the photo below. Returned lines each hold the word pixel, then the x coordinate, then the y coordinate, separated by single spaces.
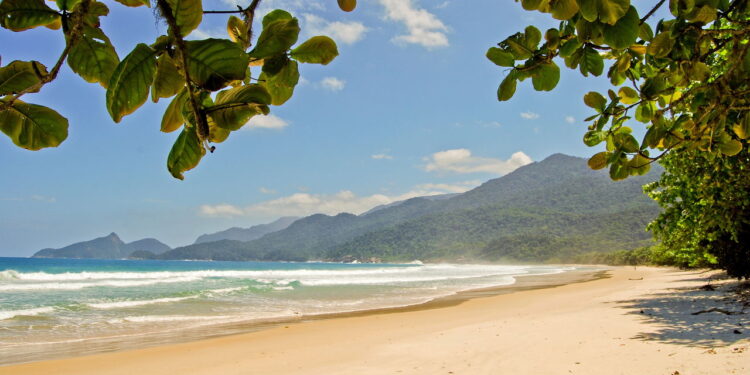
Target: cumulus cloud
pixel 529 115
pixel 461 160
pixel 208 33
pixel 333 83
pixel 265 190
pixel 423 27
pixel 570 119
pixel 341 32
pixel 381 156
pixel 220 210
pixel 268 121
pixel 302 204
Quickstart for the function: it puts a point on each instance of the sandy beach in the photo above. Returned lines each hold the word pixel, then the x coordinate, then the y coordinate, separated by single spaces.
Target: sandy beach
pixel 636 321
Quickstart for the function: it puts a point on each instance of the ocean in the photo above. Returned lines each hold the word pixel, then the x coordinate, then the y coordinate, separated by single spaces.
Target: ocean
pixel 56 307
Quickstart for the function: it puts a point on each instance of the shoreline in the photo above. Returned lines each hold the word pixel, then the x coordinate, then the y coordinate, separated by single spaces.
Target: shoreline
pixel 114 344
pixel 633 322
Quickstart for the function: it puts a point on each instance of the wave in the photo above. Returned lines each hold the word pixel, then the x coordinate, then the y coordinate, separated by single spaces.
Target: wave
pixel 135 303
pixel 166 318
pixel 104 283
pixel 10 314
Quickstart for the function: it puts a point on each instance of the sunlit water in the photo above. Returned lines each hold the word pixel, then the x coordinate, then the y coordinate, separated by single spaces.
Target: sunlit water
pixel 47 302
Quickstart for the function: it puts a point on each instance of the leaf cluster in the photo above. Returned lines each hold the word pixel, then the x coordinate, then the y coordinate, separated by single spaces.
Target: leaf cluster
pixel 212 89
pixel 687 78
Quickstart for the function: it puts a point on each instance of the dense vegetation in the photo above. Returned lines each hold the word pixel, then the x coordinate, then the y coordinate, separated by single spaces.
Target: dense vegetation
pixel 687 78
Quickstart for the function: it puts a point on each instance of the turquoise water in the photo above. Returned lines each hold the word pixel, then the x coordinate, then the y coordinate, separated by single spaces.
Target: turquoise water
pixel 48 302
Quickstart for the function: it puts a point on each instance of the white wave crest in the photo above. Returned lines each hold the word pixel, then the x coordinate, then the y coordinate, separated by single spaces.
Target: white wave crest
pixel 10 314
pixel 104 283
pixel 135 303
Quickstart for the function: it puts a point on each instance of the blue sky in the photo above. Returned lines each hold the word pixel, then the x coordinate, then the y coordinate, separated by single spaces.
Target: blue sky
pixel 408 108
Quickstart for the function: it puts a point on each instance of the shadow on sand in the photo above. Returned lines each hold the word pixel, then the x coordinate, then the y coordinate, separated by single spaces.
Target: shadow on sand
pixel 694 316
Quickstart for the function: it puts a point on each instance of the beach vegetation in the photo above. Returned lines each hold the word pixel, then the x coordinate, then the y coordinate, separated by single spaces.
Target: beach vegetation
pixel 679 70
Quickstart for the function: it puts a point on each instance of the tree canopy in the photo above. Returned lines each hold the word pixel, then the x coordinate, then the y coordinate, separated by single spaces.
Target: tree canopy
pixel 215 85
pixel 687 78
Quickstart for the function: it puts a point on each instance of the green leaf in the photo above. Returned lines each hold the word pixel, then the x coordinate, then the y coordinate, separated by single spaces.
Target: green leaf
pixel 188 14
pixel 20 75
pixel 316 50
pixel 19 15
pixel 619 170
pixel 532 37
pixel 234 107
pixel 628 95
pixel 237 30
pixel 531 4
pixel 545 77
pixel 661 45
pixel 645 32
pixel 699 71
pixel 507 87
pixel 599 160
pixel 564 9
pixel 172 119
pixel 595 100
pixel 32 126
pixel 607 11
pixel 281 85
pixel 130 82
pixel 276 38
pixel 569 47
pixel 639 165
pixel 728 146
pixel 67 4
pixel 623 33
pixel 591 62
pixel 135 3
pixel 93 57
pixel 500 57
pixel 645 111
pixel 742 127
pixel 168 80
pixel 594 137
pixel 213 63
pixel 186 153
pixel 96 10
pixel 626 142
pixel 276 15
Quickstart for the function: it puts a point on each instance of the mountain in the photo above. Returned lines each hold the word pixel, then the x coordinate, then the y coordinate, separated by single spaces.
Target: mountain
pixel 107 247
pixel 248 234
pixel 556 202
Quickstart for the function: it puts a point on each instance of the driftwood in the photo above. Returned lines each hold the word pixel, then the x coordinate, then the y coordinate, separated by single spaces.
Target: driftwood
pixel 717 309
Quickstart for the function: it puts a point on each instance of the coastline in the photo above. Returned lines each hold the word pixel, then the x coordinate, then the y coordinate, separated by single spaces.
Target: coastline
pixel 85 347
pixel 584 327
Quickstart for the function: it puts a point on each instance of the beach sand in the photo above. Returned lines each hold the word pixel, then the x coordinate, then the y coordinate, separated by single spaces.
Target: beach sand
pixel 637 321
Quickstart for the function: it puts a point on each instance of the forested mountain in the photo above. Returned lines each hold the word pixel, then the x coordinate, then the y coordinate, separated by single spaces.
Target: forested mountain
pixel 108 247
pixel 247 234
pixel 550 209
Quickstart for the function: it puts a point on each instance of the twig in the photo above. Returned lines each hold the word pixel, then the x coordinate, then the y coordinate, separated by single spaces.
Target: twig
pixel 651 12
pixel 717 309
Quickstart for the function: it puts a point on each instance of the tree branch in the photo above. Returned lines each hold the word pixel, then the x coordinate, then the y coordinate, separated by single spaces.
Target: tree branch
pixel 201 122
pixel 73 36
pixel 651 12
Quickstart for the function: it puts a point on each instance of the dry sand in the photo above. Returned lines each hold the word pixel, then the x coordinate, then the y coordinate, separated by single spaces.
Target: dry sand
pixel 635 322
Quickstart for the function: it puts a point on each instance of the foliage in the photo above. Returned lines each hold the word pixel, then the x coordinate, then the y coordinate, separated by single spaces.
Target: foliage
pixel 551 209
pixel 212 88
pixel 706 218
pixel 686 77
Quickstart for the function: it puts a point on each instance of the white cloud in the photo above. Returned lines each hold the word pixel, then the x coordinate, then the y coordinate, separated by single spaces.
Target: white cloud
pixel 423 27
pixel 341 32
pixel 220 210
pixel 462 161
pixel 303 204
pixel 381 156
pixel 333 83
pixel 268 121
pixel 210 33
pixel 265 190
pixel 570 119
pixel 529 115
pixel 442 5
